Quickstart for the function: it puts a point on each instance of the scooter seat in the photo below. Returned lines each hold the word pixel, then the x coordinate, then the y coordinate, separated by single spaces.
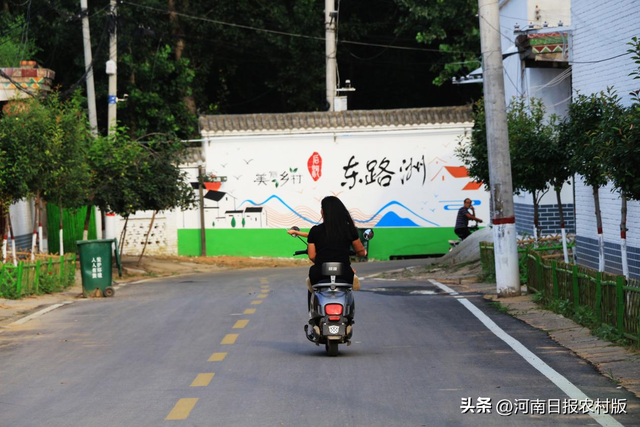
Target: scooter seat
pixel 334 268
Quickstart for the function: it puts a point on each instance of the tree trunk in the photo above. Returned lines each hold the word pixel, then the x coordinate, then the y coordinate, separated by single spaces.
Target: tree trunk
pixel 61 231
pixel 623 237
pixel 146 240
pixel 13 241
pixel 596 200
pixel 4 234
pixel 536 221
pixel 189 100
pixel 34 237
pixel 87 221
pixel 563 231
pixel 103 216
pixel 40 229
pixel 123 235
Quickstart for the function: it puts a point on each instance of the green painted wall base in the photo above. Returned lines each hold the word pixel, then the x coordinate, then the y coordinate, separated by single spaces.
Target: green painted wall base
pixel 388 242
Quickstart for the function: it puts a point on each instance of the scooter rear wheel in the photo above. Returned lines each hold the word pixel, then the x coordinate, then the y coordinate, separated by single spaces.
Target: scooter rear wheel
pixel 332 348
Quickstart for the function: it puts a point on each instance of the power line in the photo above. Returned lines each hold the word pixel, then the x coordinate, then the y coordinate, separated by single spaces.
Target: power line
pixel 600 60
pixel 288 34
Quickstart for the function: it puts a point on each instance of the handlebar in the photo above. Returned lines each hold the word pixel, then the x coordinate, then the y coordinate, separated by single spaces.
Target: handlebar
pixel 305 252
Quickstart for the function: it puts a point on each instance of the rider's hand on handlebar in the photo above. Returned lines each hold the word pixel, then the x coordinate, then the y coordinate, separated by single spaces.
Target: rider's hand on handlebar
pixel 293 232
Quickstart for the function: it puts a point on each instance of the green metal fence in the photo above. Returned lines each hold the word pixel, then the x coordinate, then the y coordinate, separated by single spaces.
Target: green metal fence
pixel 43 276
pixel 488 262
pixel 613 299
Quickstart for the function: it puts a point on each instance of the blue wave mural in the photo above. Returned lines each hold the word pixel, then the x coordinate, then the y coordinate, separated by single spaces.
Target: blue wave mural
pixel 281 201
pixel 392 203
pixel 391 219
pixel 402 206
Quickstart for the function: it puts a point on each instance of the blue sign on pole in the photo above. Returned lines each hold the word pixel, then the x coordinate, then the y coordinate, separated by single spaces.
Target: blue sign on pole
pixel 113 99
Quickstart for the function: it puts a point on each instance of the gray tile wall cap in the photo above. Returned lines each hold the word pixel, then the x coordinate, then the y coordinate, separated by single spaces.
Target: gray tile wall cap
pixel 233 124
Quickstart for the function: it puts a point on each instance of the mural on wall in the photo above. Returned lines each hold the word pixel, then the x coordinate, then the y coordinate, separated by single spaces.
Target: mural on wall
pixel 412 181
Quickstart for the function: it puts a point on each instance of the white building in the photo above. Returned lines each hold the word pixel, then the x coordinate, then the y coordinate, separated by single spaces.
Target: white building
pixel 601 31
pixel 536 46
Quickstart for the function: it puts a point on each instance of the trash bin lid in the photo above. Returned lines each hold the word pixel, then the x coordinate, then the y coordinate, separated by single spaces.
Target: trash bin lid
pixel 84 242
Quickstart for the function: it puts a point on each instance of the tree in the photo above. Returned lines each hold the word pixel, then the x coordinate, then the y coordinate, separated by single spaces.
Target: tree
pixel 29 124
pixel 14 167
pixel 583 124
pixel 13 47
pixel 66 184
pixel 451 26
pixel 530 142
pixel 560 170
pixel 472 149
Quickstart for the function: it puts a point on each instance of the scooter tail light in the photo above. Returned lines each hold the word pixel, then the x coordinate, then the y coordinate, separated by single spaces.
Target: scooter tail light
pixel 333 309
pixel 334 318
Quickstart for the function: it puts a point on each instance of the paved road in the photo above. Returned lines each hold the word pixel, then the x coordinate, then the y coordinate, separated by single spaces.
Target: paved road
pixel 158 351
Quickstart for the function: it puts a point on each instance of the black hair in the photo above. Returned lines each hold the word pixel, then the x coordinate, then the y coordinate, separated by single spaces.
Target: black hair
pixel 338 224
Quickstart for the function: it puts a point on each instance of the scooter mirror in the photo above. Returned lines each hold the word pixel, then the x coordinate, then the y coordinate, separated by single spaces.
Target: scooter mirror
pixel 368 234
pixel 295 228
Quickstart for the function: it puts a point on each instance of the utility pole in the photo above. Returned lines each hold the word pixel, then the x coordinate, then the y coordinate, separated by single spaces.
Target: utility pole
pixel 91 91
pixel 504 222
pixel 330 19
pixel 113 76
pixel 203 237
pixel 112 71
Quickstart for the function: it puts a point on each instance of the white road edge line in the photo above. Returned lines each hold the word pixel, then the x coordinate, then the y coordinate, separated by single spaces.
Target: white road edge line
pixel 40 313
pixel 561 382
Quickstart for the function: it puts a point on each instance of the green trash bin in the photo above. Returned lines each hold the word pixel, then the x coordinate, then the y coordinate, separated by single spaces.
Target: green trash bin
pixel 95 265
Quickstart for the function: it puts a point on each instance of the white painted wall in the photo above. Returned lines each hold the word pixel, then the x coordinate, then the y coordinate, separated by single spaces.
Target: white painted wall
pixel 601 30
pixel 551 11
pixel 428 197
pixel 610 205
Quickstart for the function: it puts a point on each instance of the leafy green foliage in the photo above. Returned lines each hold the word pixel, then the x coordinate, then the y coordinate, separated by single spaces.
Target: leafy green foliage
pixel 25 132
pixel 13 45
pixel 451 26
pixel 70 137
pixel 582 125
pixel 472 150
pixel 130 176
pixel 531 145
pixel 157 87
pixel 529 140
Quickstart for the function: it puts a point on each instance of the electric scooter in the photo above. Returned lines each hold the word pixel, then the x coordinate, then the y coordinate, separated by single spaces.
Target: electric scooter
pixel 332 305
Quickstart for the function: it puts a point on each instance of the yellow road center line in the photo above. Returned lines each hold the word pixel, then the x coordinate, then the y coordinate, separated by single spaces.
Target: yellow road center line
pixel 265 291
pixel 182 409
pixel 264 286
pixel 250 311
pixel 229 339
pixel 217 357
pixel 256 302
pixel 202 380
pixel 264 280
pixel 241 324
pixel 263 295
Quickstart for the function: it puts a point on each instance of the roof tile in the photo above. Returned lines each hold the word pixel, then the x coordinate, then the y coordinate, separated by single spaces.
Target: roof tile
pixel 253 123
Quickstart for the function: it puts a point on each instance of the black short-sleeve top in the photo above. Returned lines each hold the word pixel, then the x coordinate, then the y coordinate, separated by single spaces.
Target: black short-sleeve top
pixel 330 250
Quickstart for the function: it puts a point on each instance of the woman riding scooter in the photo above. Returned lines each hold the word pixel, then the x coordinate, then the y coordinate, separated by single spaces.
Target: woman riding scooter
pixel 331 241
